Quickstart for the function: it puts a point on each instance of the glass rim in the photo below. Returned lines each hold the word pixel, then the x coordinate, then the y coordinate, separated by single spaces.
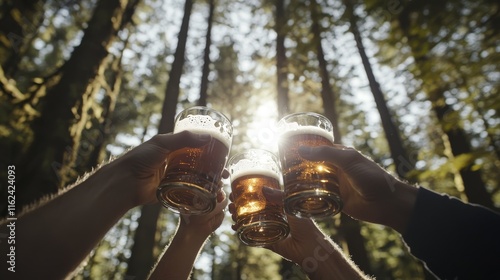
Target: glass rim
pixel 247 151
pixel 226 131
pixel 203 108
pixel 300 120
pixel 240 164
pixel 311 114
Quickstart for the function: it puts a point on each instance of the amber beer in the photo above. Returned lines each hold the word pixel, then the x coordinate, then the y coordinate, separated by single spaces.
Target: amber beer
pixel 192 176
pixel 311 187
pixel 259 221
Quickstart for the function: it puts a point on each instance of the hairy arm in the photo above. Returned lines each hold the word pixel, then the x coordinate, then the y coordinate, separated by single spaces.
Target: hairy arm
pixel 54 238
pixel 316 253
pixel 177 260
pixel 311 249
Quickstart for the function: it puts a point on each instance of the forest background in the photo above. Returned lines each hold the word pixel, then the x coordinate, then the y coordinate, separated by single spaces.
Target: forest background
pixel 412 84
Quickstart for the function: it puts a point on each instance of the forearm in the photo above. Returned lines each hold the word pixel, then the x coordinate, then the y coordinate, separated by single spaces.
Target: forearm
pixel 455 239
pixel 325 260
pixel 52 241
pixel 178 259
pixel 316 253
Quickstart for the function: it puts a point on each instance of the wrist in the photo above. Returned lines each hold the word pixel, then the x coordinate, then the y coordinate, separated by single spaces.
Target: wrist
pixel 325 260
pixel 401 206
pixel 191 234
pixel 314 249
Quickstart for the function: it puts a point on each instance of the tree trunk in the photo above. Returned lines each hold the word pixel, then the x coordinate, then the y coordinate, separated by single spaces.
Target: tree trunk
pixel 350 228
pixel 108 104
pixel 19 22
pixel 142 258
pixel 202 101
pixel 474 186
pixel 328 95
pixel 282 87
pixel 398 152
pixel 112 87
pixel 281 59
pixel 56 133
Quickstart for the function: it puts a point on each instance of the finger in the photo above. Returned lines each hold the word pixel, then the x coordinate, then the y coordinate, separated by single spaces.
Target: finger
pixel 231 196
pixel 162 169
pixel 221 195
pixel 231 208
pixel 232 211
pixel 222 203
pixel 173 141
pixel 339 155
pixel 273 195
pixel 225 173
pixel 161 144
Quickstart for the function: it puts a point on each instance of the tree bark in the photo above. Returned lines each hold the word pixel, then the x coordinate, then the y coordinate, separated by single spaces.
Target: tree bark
pixel 350 228
pixel 202 101
pixel 281 59
pixel 474 186
pixel 56 133
pixel 142 258
pixel 19 21
pixel 282 87
pixel 328 95
pixel 398 152
pixel 109 104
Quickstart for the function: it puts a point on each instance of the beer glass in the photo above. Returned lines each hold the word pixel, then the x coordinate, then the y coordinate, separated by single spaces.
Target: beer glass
pixel 311 188
pixel 259 221
pixel 192 176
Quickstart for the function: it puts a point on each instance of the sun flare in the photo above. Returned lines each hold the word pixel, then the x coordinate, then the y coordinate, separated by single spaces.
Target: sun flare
pixel 262 130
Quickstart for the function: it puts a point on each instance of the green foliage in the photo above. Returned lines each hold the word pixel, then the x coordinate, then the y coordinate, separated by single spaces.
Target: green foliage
pixel 391 259
pixel 426 54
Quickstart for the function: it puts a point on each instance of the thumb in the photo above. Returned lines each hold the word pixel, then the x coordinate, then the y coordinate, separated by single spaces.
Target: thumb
pixel 173 141
pixel 273 195
pixel 340 156
pixel 155 150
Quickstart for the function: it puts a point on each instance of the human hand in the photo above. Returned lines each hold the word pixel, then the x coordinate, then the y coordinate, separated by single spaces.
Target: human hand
pixel 297 245
pixel 205 224
pixel 368 191
pixel 141 169
pixel 180 255
pixel 308 246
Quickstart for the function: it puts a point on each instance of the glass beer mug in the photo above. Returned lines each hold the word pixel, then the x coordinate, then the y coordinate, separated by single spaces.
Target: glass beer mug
pixel 259 221
pixel 311 188
pixel 192 176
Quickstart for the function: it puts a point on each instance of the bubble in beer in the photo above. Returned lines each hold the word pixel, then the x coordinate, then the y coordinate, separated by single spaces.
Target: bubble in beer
pixel 205 125
pixel 291 129
pixel 251 207
pixel 259 221
pixel 265 165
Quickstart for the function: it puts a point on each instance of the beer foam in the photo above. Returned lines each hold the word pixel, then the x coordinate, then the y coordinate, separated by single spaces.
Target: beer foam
pixel 247 167
pixel 292 129
pixel 205 125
